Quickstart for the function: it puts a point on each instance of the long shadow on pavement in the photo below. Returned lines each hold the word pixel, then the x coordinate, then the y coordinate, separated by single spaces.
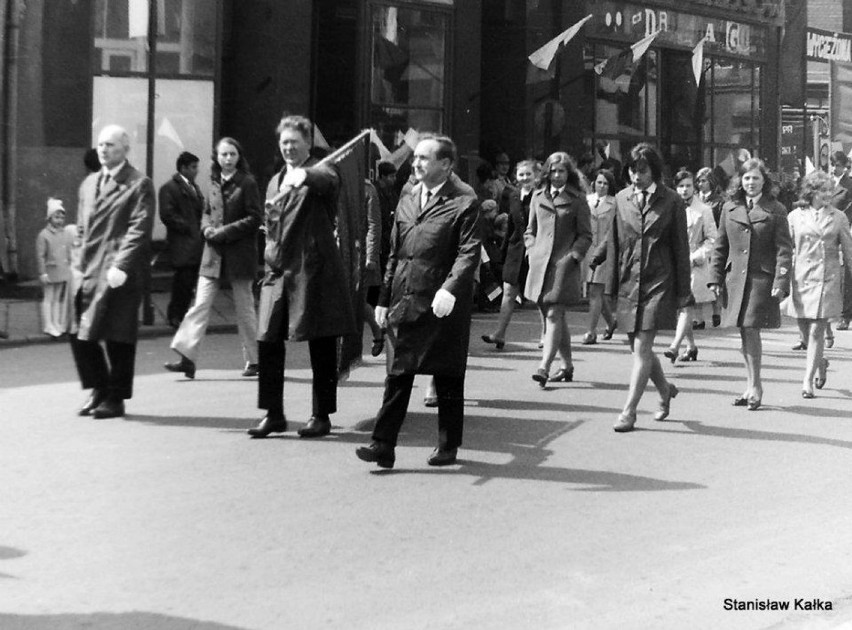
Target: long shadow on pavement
pixel 698 428
pixel 107 621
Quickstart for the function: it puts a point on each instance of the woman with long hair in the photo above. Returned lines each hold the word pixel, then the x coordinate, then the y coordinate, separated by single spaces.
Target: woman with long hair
pixel 701 231
pixel 751 261
pixel 557 237
pixel 515 263
pixel 821 238
pixel 650 252
pixel 229 225
pixel 599 280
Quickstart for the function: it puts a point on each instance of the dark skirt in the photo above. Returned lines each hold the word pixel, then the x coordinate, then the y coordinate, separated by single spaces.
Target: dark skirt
pixel 759 309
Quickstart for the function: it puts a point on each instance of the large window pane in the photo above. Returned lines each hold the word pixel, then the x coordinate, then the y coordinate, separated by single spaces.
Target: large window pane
pixel 391 123
pixel 121 35
pixel 622 99
pixel 732 94
pixel 187 37
pixel 408 56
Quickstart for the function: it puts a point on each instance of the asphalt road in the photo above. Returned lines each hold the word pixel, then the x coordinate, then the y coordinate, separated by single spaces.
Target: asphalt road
pixel 174 519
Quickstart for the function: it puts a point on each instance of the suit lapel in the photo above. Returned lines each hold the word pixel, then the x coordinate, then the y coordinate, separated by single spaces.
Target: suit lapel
pixel 739 214
pixel 439 195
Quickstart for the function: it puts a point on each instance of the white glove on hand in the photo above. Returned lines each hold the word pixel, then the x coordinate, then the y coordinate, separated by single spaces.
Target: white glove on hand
pixel 443 303
pixel 115 277
pixel 294 177
pixel 381 314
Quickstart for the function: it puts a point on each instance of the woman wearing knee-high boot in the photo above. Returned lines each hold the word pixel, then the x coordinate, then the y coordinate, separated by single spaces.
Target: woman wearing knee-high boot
pixel 751 260
pixel 557 237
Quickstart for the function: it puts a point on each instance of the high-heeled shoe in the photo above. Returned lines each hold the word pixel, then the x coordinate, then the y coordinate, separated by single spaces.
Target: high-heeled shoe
pixel 540 377
pixel 665 404
pixel 624 423
pixel 740 401
pixel 498 343
pixel 829 341
pixel 608 332
pixel 689 355
pixel 699 325
pixel 563 374
pixel 819 381
pixel 590 339
pixel 807 394
pixel 671 354
pixel 753 403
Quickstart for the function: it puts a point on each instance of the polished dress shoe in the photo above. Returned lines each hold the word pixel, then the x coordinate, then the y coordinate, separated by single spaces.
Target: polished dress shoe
pixel 498 343
pixel 443 457
pixel 184 365
pixel 94 399
pixel 378 346
pixel 563 374
pixel 540 377
pixel 380 453
pixel 270 423
pixel 624 423
pixel 109 408
pixel 251 369
pixel 665 403
pixel 717 320
pixel 608 332
pixel 800 346
pixel 590 339
pixel 753 403
pixel 317 426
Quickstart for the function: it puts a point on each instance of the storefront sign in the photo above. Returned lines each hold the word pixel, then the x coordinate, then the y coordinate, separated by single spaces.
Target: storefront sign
pixel 791 145
pixel 827 46
pixel 633 22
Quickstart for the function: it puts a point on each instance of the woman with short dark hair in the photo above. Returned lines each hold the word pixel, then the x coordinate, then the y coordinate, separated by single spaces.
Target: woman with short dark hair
pixel 751 260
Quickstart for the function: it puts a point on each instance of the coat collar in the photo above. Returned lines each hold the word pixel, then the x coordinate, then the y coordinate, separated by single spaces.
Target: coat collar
pixel 739 212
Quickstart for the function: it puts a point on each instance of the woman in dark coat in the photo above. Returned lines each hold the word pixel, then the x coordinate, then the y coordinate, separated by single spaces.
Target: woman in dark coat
pixel 515 263
pixel 558 235
pixel 229 227
pixel 752 259
pixel 648 244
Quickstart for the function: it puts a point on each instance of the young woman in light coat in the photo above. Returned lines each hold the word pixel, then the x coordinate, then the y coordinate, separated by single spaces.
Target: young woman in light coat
pixel 599 280
pixel 820 235
pixel 701 230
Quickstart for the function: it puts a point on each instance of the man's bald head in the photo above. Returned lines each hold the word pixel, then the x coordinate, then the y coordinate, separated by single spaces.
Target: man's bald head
pixel 113 146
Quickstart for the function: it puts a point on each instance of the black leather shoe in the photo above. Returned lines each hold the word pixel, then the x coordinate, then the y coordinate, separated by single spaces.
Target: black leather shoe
pixel 270 423
pixel 498 343
pixel 109 408
pixel 443 457
pixel 699 325
pixel 540 377
pixel 563 374
pixel 184 365
pixel 717 320
pixel 740 401
pixel 800 346
pixel 94 399
pixel 380 453
pixel 608 332
pixel 317 426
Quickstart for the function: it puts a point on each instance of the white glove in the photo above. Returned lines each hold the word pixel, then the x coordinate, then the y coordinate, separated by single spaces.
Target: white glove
pixel 443 303
pixel 381 314
pixel 293 178
pixel 115 277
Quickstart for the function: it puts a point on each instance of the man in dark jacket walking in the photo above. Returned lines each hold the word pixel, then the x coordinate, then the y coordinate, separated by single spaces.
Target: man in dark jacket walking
pixel 116 216
pixel 426 300
pixel 181 205
pixel 304 296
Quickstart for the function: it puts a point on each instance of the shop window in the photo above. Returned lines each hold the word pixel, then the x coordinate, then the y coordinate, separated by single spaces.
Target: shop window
pixel 408 69
pixel 732 93
pixel 626 102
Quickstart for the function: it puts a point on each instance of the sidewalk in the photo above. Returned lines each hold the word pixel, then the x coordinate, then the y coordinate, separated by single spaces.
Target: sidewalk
pixel 20 316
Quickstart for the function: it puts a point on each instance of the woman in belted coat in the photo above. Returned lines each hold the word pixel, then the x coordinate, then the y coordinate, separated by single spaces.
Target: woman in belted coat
pixel 558 236
pixel 229 226
pixel 751 260
pixel 649 248
pixel 820 235
pixel 701 230
pixel 599 279
pixel 515 263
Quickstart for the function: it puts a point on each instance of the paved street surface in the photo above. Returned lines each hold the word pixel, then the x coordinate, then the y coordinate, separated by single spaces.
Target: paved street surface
pixel 173 519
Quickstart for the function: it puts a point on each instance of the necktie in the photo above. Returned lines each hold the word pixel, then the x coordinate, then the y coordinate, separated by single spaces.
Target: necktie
pixel 426 198
pixel 597 202
pixel 103 181
pixel 643 200
pixel 750 204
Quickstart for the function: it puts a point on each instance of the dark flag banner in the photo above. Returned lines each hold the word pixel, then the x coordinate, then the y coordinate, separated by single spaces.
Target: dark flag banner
pixel 351 164
pixel 840 97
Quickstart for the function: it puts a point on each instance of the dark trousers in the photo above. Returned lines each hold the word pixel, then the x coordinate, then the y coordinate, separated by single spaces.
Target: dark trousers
pixel 450 390
pixel 270 386
pixel 183 287
pixel 110 372
pixel 847 290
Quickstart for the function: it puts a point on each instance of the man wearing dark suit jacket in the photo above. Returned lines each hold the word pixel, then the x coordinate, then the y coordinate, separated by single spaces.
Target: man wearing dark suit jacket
pixel 841 199
pixel 116 216
pixel 181 205
pixel 426 300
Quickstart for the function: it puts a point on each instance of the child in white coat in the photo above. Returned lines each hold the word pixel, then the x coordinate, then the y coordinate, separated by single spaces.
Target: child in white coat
pixel 53 251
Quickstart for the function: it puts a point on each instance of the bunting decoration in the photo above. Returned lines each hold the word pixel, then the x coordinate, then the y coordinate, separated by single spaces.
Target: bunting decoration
pixel 616 65
pixel 543 57
pixel 698 60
